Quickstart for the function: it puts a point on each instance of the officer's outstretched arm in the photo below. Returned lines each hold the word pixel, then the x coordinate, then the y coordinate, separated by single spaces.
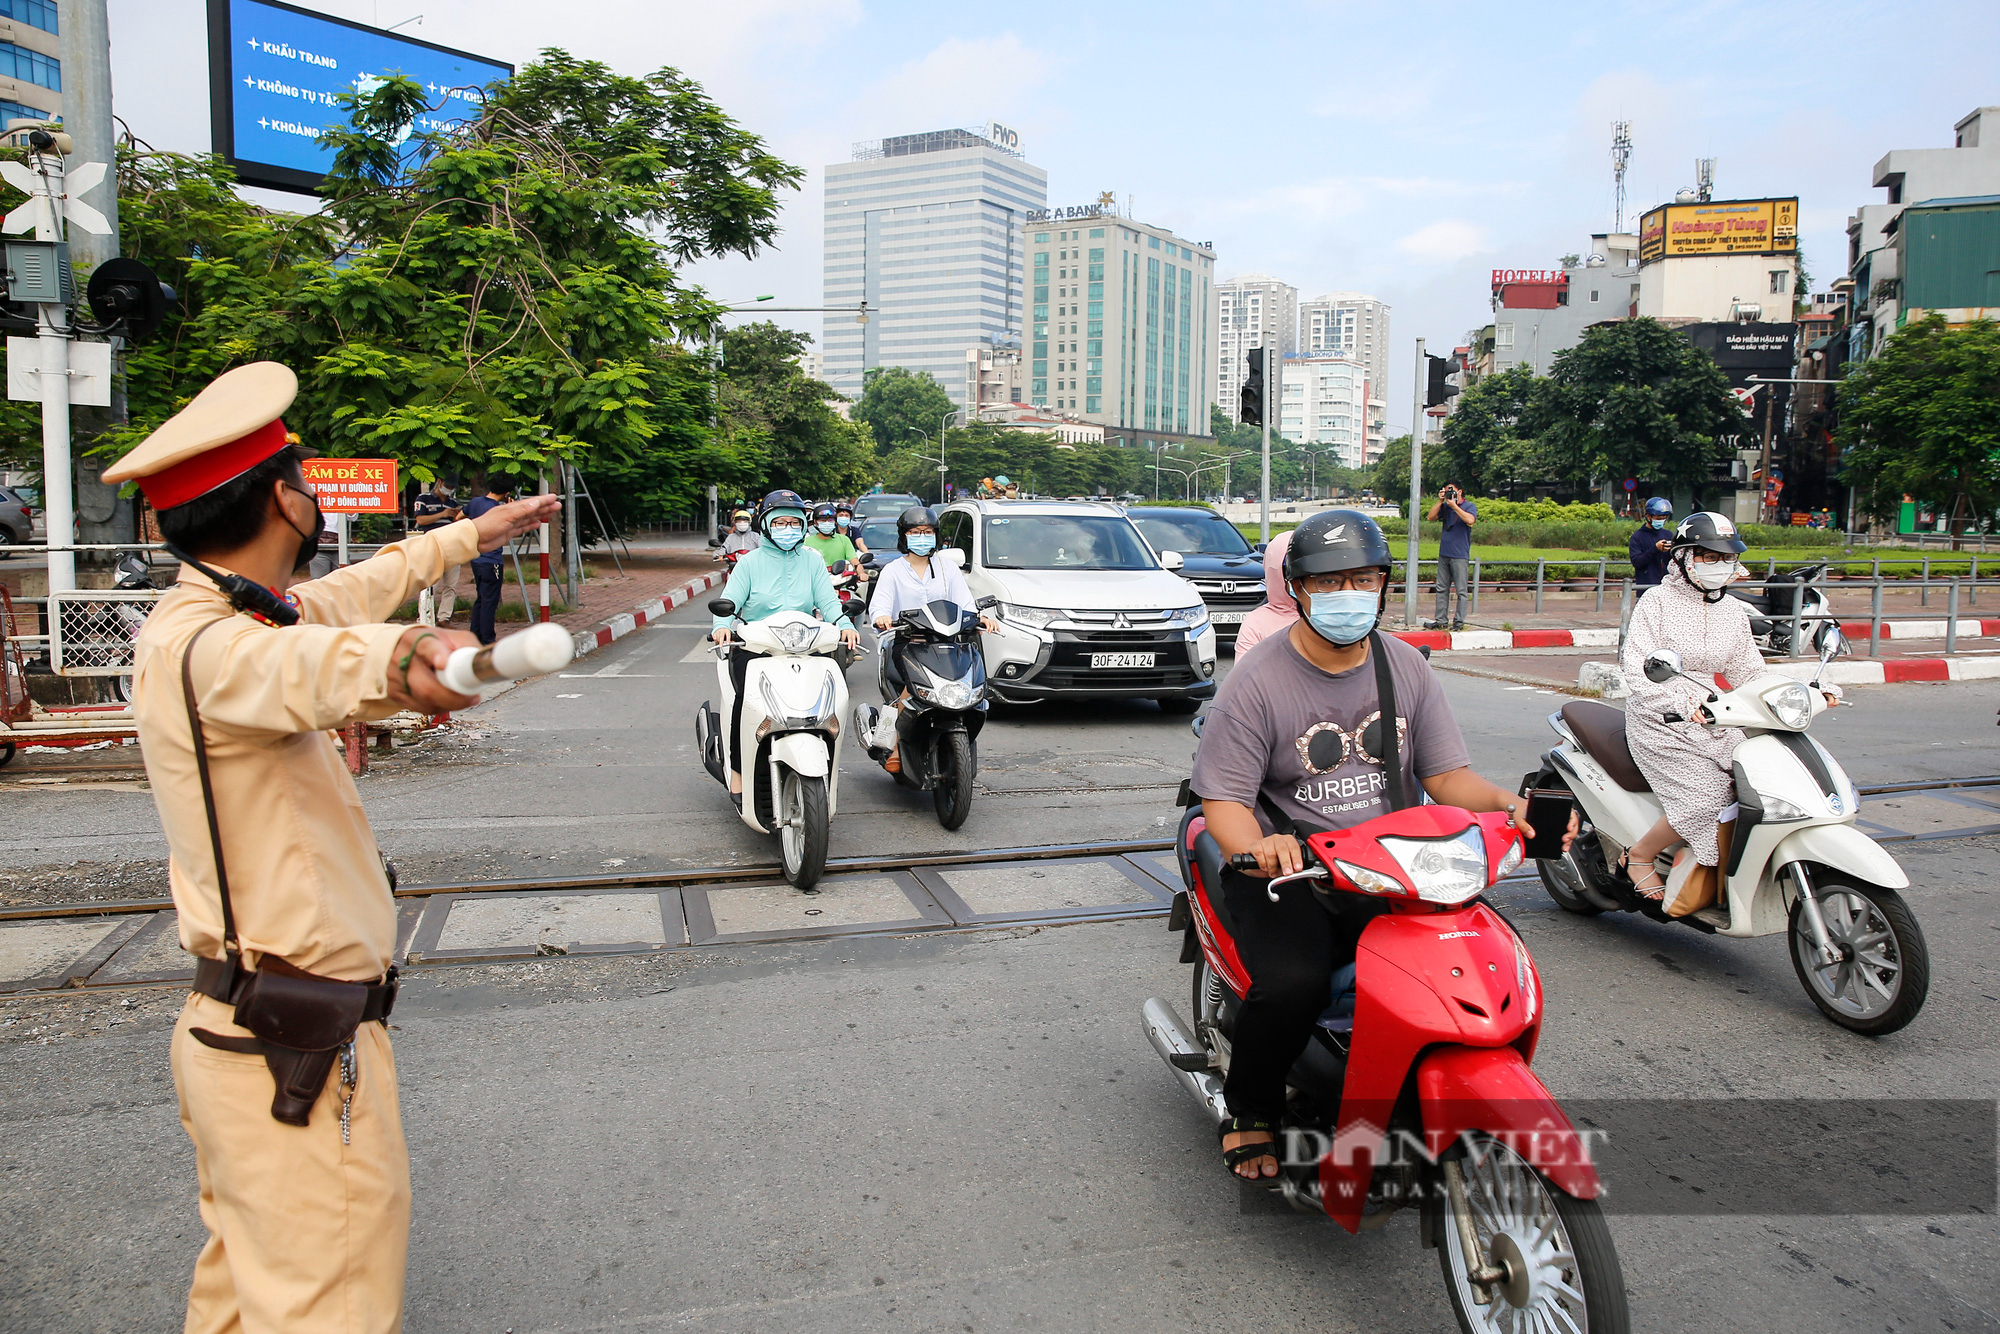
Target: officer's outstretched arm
pixel 261 681
pixel 371 590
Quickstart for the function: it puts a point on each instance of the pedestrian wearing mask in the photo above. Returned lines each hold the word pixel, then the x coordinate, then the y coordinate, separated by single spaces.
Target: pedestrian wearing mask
pixel 281 1056
pixel 1688 765
pixel 1648 547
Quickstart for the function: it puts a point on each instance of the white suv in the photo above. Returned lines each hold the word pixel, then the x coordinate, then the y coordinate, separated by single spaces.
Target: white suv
pixel 1086 608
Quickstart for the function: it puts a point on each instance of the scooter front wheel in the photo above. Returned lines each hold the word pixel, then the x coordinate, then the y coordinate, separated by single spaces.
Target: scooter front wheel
pixel 802 836
pixel 1883 974
pixel 1559 1268
pixel 952 794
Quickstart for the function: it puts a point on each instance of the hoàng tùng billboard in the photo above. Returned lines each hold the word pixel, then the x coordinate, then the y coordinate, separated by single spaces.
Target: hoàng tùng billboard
pixel 1720 227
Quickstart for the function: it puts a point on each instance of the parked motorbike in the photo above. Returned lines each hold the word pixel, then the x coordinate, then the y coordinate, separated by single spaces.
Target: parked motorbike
pixel 1417 1075
pixel 793 700
pixel 1795 591
pixel 1796 863
pixel 133 573
pixel 936 728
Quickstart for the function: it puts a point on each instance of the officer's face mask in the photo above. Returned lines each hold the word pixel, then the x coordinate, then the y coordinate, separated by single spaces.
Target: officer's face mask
pixel 826 527
pixel 922 544
pixel 787 535
pixel 309 540
pixel 1343 618
pixel 1712 574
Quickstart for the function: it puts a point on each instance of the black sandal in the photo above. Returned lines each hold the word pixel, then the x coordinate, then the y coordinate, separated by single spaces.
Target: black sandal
pixel 1244 1153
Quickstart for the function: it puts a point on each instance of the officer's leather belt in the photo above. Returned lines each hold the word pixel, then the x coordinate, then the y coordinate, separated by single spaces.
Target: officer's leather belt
pixel 301 1021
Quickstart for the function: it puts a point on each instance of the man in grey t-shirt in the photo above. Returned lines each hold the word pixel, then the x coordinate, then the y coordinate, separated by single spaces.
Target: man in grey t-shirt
pixel 1297 729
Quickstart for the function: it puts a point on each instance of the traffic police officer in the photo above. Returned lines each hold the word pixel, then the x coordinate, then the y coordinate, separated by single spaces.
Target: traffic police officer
pixel 281 893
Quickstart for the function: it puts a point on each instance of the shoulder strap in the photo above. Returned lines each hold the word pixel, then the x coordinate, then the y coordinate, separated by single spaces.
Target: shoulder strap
pixel 1385 699
pixel 229 944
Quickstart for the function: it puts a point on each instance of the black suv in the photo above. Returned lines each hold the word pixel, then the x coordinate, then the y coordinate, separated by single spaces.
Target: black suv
pixel 1222 565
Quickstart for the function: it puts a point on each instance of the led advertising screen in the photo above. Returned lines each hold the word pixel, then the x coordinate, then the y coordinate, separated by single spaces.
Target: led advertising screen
pixel 276 73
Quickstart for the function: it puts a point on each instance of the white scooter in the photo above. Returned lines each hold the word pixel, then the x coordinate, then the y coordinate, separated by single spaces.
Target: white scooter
pixel 1796 864
pixel 793 700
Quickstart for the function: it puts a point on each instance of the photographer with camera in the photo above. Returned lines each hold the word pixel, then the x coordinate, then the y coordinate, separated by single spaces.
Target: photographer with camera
pixel 1454 554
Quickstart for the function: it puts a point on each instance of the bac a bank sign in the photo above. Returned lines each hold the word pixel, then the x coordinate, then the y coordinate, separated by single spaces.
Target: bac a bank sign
pixel 277 72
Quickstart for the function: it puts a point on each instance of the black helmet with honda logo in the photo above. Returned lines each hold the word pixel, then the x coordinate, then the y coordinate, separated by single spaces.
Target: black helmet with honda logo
pixel 1333 541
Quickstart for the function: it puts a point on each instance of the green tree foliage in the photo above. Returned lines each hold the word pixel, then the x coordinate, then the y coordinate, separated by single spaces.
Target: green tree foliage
pixel 771 405
pixel 1483 442
pixel 1923 419
pixel 1392 471
pixel 898 404
pixel 1634 398
pixel 508 301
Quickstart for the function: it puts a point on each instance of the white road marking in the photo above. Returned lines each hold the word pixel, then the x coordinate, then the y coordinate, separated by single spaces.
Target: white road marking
pixel 1517 687
pixel 569 697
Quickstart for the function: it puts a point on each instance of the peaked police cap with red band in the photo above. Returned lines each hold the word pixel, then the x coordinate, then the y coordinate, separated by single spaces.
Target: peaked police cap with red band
pixel 228 429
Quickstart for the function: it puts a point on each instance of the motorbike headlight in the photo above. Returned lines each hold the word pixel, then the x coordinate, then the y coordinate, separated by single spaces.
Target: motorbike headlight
pixel 954 695
pixel 797 636
pixel 1444 870
pixel 1372 882
pixel 1511 860
pixel 1791 704
pixel 1779 811
pixel 1035 618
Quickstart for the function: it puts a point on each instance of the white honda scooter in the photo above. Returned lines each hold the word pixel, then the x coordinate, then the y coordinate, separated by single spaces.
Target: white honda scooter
pixel 793 700
pixel 1796 864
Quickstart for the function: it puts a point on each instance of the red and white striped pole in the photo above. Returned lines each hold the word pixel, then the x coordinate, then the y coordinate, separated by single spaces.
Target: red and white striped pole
pixel 545 553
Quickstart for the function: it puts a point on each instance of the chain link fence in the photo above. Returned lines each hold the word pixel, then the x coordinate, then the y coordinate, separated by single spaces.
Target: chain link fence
pixel 95 629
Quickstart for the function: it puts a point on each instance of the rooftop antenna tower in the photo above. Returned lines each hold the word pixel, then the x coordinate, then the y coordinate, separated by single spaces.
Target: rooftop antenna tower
pixel 1704 178
pixel 1621 155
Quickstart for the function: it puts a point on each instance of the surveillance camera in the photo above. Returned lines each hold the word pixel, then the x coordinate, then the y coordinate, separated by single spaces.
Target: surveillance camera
pixel 41 140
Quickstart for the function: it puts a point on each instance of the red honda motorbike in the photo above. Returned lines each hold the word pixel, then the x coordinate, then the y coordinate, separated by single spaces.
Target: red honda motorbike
pixel 1415 1089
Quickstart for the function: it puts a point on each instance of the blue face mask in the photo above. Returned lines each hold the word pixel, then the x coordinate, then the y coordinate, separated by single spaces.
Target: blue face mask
pixel 1345 617
pixel 787 538
pixel 843 521
pixel 922 544
pixel 1659 523
pixel 825 527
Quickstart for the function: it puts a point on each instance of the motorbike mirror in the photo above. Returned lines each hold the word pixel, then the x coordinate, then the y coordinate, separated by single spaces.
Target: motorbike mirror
pixel 722 607
pixel 867 558
pixel 1662 665
pixel 1831 642
pixel 715 541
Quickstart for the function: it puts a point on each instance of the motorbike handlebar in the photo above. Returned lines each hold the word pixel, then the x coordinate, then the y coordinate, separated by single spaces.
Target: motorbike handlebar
pixel 1244 861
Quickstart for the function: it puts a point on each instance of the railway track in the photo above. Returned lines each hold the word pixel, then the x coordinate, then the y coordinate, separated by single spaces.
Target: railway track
pixel 96 944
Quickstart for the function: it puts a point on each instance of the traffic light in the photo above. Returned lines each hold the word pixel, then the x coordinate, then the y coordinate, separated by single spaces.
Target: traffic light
pixel 128 299
pixel 1250 411
pixel 1438 390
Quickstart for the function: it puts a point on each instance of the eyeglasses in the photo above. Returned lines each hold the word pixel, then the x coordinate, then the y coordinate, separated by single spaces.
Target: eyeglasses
pixel 1360 581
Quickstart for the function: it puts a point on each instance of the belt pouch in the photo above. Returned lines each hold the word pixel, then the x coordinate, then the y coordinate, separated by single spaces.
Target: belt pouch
pixel 302 1020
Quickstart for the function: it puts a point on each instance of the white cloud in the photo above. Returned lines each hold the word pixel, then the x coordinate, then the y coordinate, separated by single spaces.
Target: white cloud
pixel 961 81
pixel 1445 241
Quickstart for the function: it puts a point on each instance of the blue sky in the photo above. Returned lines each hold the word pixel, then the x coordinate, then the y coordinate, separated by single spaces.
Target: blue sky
pixel 1403 150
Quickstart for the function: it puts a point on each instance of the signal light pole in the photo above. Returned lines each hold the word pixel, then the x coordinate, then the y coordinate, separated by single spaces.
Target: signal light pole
pixel 1416 482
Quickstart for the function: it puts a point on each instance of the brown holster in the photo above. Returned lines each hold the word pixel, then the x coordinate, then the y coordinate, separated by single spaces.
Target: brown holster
pixel 301 1020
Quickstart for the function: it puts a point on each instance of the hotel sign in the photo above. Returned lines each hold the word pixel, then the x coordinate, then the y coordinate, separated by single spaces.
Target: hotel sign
pixel 1540 277
pixel 1720 227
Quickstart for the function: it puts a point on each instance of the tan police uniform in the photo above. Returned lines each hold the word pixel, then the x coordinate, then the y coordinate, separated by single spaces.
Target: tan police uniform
pixel 308 1225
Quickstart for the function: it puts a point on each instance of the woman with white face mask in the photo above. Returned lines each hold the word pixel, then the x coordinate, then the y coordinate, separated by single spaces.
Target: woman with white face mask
pixel 1687 765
